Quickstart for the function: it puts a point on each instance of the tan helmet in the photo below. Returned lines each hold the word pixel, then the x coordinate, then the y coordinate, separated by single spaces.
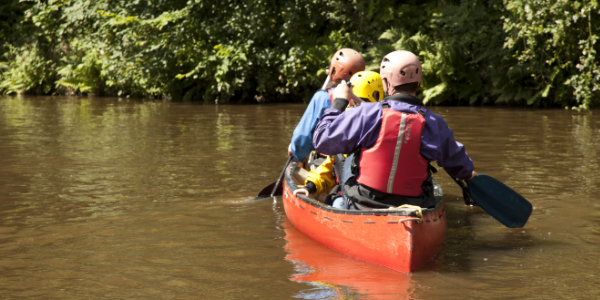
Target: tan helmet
pixel 398 68
pixel 367 85
pixel 345 63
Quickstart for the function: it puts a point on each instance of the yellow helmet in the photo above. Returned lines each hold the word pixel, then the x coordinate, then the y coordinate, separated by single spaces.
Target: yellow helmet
pixel 367 86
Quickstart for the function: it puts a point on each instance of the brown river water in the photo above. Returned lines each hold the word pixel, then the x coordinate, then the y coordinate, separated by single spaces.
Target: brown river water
pixel 107 198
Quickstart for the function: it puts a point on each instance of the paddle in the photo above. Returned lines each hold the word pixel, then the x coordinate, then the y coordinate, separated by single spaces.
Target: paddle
pixel 498 200
pixel 326 82
pixel 274 189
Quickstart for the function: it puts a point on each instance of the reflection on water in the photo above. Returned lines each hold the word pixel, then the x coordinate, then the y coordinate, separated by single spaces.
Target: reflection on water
pixel 118 198
pixel 337 276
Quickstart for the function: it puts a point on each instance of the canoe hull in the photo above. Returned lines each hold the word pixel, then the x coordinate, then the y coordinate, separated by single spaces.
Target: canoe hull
pixel 379 237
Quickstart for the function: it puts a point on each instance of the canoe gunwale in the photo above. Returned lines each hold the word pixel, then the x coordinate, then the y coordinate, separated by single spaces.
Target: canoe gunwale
pixel 289 180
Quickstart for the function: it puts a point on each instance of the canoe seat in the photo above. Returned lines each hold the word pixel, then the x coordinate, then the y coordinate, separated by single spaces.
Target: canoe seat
pixel 300 175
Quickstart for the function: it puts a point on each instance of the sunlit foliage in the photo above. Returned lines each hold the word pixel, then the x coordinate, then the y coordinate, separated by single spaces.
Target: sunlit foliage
pixel 526 52
pixel 556 42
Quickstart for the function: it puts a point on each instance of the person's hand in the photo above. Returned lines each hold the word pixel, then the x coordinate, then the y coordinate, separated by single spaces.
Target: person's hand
pixel 343 91
pixel 303 192
pixel 290 150
pixel 473 175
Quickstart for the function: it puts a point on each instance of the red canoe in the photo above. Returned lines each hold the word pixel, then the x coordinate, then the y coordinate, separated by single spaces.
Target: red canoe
pixel 389 237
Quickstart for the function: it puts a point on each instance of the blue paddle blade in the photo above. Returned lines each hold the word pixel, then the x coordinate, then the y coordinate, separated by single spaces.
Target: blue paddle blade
pixel 500 201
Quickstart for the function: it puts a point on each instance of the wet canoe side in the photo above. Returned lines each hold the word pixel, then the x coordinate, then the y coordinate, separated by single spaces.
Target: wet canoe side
pixel 380 236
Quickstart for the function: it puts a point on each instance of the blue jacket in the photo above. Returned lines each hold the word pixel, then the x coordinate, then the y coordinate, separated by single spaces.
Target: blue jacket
pixel 302 138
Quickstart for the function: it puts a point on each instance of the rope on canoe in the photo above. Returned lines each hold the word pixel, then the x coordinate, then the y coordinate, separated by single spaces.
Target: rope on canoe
pixel 419 213
pixel 410 219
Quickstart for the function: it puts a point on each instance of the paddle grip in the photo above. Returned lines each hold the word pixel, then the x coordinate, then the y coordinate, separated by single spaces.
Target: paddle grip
pixel 465 190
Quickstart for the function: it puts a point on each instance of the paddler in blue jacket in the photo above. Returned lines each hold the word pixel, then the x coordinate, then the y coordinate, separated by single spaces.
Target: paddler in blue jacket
pixel 396 139
pixel 368 87
pixel 344 63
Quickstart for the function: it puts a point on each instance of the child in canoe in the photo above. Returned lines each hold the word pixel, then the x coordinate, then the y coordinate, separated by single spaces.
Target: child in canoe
pixel 368 87
pixel 344 64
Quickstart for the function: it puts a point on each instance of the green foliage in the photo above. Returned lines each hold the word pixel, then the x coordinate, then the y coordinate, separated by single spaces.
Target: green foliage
pixel 555 42
pixel 472 31
pixel 11 14
pixel 26 71
pixel 80 71
pixel 521 52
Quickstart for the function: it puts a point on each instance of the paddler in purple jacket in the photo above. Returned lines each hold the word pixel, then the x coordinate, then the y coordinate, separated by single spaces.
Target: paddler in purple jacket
pixel 396 139
pixel 344 63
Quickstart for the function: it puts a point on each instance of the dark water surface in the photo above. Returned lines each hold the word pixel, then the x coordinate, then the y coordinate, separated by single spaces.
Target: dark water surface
pixel 102 198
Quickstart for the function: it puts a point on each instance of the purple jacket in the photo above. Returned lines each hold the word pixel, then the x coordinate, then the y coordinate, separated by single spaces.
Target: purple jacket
pixel 359 127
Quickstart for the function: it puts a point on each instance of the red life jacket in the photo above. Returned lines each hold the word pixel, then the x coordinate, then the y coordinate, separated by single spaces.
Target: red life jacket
pixel 394 165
